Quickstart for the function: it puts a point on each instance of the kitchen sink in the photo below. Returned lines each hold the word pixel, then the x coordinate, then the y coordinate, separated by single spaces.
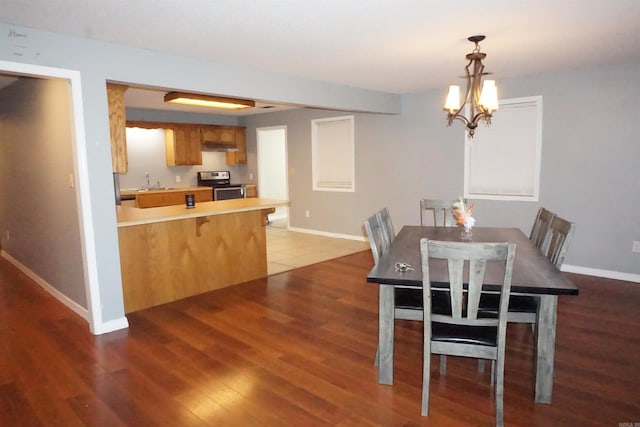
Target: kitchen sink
pixel 156 189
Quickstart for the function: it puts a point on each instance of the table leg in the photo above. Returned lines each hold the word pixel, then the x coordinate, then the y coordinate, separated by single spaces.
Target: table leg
pixel 545 348
pixel 385 335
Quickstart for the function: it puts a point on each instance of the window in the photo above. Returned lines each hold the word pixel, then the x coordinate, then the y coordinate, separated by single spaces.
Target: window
pixel 502 161
pixel 332 151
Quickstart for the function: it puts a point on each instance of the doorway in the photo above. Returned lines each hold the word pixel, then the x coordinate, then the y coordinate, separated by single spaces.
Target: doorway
pixel 75 179
pixel 272 170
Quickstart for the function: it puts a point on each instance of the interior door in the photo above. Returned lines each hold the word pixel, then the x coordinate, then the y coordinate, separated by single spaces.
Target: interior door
pixel 272 168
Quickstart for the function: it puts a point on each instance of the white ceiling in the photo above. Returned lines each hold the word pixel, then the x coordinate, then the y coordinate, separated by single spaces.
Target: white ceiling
pixel 396 46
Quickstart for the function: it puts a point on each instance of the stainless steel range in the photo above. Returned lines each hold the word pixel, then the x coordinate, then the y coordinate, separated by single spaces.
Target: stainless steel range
pixel 221 183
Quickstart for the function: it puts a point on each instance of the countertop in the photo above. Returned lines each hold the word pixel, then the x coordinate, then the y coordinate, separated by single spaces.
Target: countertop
pixel 128 216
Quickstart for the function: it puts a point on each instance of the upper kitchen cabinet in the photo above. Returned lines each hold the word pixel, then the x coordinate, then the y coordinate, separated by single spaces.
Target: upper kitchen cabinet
pixel 182 144
pixel 239 156
pixel 219 136
pixel 117 127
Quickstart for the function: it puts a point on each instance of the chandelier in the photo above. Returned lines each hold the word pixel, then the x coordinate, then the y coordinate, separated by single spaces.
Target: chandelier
pixel 482 97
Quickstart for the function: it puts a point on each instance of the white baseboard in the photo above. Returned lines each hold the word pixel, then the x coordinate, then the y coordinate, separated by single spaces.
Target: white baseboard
pixel 110 326
pixel 74 306
pixel 596 272
pixel 608 274
pixel 97 328
pixel 327 234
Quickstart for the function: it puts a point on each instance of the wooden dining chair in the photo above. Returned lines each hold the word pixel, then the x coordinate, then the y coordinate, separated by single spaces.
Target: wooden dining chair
pixel 560 234
pixel 524 308
pixel 379 230
pixel 540 229
pixel 407 301
pixel 439 211
pixel 376 236
pixel 463 332
pixel 387 226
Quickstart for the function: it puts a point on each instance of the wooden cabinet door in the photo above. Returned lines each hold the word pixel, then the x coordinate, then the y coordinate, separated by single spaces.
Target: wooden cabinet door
pixel 251 190
pixel 205 195
pixel 151 200
pixel 117 127
pixel 238 157
pixel 222 135
pixel 182 145
pixel 154 199
pixel 227 134
pixel 210 134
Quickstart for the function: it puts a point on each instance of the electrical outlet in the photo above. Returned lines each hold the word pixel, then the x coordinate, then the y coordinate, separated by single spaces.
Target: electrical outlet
pixel 250 176
pixel 178 179
pixel 8 235
pixel 636 246
pixel 307 213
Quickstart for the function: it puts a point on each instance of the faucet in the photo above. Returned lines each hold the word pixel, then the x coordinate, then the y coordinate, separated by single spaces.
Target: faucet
pixel 148 184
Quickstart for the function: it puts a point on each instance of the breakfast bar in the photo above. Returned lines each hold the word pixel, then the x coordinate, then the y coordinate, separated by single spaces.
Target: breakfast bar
pixel 173 252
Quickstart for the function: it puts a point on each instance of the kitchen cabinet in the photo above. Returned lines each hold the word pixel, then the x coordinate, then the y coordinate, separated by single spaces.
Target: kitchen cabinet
pixel 155 198
pixel 182 145
pixel 239 156
pixel 184 142
pixel 214 135
pixel 117 127
pixel 251 190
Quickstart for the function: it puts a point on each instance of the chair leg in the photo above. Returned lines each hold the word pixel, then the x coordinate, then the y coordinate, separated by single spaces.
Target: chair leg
pixel 443 365
pixel 426 377
pixel 376 361
pixel 499 389
pixel 493 372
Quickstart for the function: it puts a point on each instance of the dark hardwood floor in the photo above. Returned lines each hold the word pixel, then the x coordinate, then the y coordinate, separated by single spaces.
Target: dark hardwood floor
pixel 297 349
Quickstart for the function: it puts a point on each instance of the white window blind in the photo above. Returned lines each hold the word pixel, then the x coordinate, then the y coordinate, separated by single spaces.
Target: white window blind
pixel 502 161
pixel 333 154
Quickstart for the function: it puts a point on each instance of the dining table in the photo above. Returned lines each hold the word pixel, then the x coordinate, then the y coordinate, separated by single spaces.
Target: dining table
pixel 533 274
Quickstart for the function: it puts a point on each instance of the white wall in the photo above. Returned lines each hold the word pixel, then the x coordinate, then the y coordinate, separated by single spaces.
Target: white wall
pixel 590 154
pixel 146 153
pixel 99 62
pixel 590 164
pixel 38 210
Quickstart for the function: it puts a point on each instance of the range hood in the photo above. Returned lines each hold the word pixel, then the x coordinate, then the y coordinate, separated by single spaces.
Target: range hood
pixel 218 146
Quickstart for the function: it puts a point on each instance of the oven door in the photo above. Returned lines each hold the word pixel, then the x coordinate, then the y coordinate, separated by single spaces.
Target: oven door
pixel 226 193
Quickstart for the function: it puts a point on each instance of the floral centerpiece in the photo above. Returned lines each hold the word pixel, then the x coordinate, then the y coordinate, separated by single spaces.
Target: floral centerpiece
pixel 463 214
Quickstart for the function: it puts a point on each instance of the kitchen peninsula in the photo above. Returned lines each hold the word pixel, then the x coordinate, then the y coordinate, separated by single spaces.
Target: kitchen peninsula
pixel 171 252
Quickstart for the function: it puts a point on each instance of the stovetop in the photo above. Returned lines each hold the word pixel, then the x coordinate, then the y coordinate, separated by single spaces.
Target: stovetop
pixel 215 179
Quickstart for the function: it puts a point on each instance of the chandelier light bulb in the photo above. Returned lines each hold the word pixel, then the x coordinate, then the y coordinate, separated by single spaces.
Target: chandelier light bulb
pixel 489 96
pixel 453 99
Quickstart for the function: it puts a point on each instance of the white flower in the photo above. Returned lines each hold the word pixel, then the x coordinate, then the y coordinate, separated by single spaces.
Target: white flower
pixel 463 214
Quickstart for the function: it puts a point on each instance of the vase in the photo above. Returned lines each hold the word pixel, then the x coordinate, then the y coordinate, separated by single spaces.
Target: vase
pixel 466 233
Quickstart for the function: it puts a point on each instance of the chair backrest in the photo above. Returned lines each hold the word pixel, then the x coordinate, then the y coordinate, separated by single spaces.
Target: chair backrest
pixel 464 305
pixel 439 210
pixel 387 223
pixel 560 233
pixel 378 234
pixel 540 228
